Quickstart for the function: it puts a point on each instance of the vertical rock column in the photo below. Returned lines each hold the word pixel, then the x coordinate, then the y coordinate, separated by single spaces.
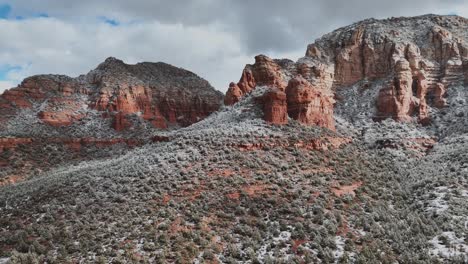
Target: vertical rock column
pixel 309 105
pixel 275 107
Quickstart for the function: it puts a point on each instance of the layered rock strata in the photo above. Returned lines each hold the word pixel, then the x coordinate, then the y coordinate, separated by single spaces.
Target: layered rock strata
pixel 416 59
pixel 158 93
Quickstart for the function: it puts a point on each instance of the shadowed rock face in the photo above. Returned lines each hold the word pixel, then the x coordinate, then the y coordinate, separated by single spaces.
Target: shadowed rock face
pixel 159 93
pixel 417 59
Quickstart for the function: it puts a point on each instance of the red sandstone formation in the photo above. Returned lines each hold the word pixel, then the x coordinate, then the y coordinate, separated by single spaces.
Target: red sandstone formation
pixel 301 101
pixel 15 98
pixel 398 100
pixel 349 65
pixel 247 81
pixel 265 72
pixel 319 144
pixel 233 95
pixel 12 143
pixel 130 100
pixel 417 57
pixel 160 138
pixel 275 107
pixel 73 143
pixel 120 122
pixel 56 119
pixel 309 105
pixel 156 92
pixel 439 92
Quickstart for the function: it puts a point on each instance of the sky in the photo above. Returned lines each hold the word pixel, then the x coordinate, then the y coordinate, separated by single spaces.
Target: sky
pixel 213 38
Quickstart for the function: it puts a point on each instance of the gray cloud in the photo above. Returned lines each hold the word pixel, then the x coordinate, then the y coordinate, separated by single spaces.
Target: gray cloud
pixel 214 38
pixel 275 25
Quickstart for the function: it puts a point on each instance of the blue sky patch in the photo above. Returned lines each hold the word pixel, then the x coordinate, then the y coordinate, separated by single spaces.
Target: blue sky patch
pixel 4 10
pixel 110 21
pixel 5 69
pixel 40 15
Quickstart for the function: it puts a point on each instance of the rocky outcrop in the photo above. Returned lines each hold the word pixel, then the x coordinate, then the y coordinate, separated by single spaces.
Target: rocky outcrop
pixel 233 94
pixel 12 143
pixel 439 93
pixel 158 93
pixel 370 49
pixel 405 96
pixel 416 59
pixel 162 94
pixel 309 105
pixel 121 122
pixel 397 100
pixel 296 98
pixel 265 72
pixel 319 144
pixel 56 119
pixel 73 143
pixel 275 107
pixel 15 98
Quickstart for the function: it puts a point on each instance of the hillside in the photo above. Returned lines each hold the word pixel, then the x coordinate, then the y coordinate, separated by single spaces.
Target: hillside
pixel 52 120
pixel 355 153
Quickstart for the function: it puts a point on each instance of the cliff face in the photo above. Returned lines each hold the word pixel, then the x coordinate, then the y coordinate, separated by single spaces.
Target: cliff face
pixel 309 105
pixel 103 113
pixel 157 93
pixel 417 59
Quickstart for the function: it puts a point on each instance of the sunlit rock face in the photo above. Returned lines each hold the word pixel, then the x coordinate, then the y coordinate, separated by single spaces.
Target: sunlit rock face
pixel 417 59
pixel 309 105
pixel 161 94
pixel 275 107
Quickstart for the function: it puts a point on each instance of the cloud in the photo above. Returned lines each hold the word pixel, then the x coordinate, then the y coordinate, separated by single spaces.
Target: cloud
pixel 74 49
pixel 4 85
pixel 262 25
pixel 213 38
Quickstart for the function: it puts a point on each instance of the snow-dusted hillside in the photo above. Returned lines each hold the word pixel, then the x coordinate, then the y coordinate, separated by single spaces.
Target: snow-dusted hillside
pixel 233 188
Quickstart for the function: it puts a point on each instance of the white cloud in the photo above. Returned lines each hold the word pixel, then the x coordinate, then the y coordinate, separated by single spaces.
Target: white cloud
pixel 49 45
pixel 212 38
pixel 5 85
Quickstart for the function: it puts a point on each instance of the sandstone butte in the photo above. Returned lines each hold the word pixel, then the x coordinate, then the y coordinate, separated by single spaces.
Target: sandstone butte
pixel 414 60
pixel 158 93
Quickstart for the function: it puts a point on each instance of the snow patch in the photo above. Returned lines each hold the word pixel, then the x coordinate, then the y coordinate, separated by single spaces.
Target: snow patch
pixel 448 245
pixel 438 204
pixel 340 243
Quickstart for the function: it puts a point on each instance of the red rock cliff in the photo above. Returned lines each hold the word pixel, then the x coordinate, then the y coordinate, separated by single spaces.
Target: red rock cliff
pixel 158 93
pixel 417 59
pixel 309 105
